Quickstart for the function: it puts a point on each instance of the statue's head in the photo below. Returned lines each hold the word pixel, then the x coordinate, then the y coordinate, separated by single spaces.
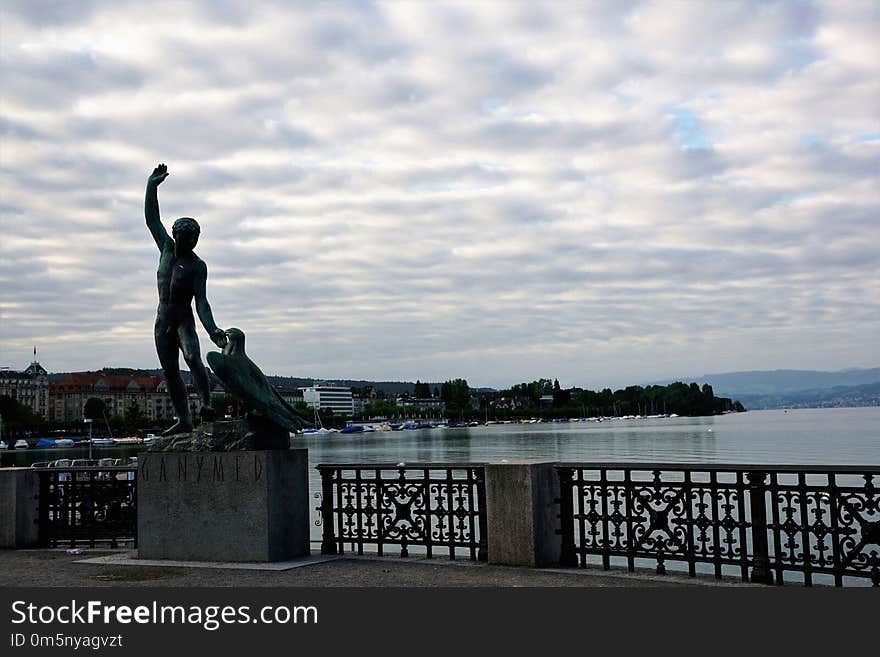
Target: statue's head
pixel 185 232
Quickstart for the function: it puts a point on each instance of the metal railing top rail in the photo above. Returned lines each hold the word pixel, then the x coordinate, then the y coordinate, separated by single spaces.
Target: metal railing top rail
pixel 722 467
pixel 418 465
pixel 86 468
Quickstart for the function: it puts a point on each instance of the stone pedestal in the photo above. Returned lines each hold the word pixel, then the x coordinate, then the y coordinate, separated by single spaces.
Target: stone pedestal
pixel 18 507
pixel 522 516
pixel 223 506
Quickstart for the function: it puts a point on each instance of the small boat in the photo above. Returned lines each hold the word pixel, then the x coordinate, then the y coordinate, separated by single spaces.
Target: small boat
pixel 21 443
pixel 352 428
pixel 64 442
pixel 318 429
pixel 3 445
pixel 103 442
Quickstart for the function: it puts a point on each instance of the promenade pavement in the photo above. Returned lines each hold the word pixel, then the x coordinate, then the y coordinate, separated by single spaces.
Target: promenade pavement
pixel 56 568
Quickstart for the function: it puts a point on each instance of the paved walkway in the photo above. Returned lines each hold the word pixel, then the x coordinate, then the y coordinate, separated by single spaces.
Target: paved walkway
pixel 57 568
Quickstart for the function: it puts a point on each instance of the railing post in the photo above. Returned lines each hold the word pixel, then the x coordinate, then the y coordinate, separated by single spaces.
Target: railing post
pixel 568 555
pixel 132 487
pixel 43 503
pixel 328 542
pixel 483 549
pixel 758 506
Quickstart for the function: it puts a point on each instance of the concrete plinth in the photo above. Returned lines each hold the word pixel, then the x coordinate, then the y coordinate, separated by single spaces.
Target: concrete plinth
pixel 522 516
pixel 223 506
pixel 18 507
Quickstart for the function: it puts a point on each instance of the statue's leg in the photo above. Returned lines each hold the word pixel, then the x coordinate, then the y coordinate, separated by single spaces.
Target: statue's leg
pixel 167 348
pixel 189 344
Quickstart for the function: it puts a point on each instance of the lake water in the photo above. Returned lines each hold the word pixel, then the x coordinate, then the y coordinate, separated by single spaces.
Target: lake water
pixel 836 436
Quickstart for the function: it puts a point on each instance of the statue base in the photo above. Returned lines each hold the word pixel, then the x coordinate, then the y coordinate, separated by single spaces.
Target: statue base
pixel 251 433
pixel 223 506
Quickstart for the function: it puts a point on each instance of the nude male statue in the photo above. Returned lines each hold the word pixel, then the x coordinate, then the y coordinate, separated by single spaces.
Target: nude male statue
pixel 182 277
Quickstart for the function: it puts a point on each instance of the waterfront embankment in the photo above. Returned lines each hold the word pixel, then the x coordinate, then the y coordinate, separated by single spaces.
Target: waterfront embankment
pixel 56 568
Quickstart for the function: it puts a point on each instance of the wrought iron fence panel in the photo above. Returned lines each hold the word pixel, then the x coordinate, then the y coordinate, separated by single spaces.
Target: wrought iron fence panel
pixel 763 520
pixel 825 523
pixel 87 506
pixel 666 517
pixel 439 507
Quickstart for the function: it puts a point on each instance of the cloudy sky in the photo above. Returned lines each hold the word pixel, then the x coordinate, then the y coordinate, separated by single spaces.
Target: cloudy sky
pixel 607 193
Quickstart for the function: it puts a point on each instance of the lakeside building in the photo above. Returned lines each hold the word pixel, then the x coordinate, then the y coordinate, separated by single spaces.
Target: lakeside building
pixel 360 404
pixel 29 387
pixel 336 398
pixel 119 392
pixel 423 404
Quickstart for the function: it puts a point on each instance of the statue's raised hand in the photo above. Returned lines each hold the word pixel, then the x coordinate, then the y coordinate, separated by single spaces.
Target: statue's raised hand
pixel 159 174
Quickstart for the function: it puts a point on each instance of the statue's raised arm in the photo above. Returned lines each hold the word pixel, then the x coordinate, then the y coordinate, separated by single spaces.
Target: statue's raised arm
pixel 151 206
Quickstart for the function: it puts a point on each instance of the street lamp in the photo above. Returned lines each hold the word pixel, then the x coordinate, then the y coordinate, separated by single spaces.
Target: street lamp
pixel 88 421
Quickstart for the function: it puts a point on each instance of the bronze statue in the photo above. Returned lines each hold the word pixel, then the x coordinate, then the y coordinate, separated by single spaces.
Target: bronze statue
pixel 243 378
pixel 182 277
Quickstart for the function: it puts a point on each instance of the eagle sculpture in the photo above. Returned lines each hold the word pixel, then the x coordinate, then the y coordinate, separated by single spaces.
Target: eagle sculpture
pixel 243 378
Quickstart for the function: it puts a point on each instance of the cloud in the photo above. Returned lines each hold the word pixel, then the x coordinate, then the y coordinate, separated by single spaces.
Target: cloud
pixel 606 193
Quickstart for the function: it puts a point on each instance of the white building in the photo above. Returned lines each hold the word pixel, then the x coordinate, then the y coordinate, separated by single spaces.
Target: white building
pixel 428 404
pixel 338 399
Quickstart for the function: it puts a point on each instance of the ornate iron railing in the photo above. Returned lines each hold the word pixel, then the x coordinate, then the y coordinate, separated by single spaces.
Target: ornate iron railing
pixel 760 520
pixel 440 507
pixel 87 506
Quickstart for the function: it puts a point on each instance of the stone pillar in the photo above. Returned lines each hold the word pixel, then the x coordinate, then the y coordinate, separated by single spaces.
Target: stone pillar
pixel 18 507
pixel 223 506
pixel 523 518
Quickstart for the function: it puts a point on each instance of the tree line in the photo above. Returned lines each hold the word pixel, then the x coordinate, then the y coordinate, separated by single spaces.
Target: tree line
pixel 542 398
pixel 545 398
pixel 549 398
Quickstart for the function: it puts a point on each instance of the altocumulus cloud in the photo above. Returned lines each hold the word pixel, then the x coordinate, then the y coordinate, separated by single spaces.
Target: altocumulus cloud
pixel 603 192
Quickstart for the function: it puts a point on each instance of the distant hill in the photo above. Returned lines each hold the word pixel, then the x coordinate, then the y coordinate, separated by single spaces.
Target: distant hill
pixel 838 396
pixel 776 382
pixel 797 388
pixel 388 387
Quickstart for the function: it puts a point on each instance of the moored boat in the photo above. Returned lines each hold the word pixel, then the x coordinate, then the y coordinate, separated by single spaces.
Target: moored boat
pixel 318 429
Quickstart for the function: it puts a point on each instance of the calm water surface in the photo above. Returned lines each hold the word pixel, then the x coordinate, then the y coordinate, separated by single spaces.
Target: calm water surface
pixel 837 436
pixel 849 436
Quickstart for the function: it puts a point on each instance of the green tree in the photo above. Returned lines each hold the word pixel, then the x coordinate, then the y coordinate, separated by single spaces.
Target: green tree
pixel 17 417
pixel 94 409
pixel 133 417
pixel 456 394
